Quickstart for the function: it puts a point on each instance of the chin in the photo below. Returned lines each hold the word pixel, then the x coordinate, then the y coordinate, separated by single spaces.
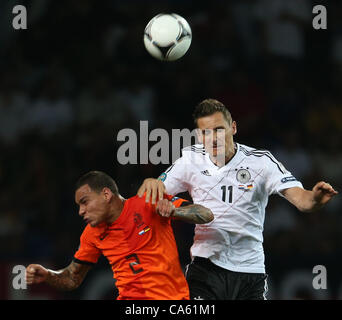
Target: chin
pixel 217 154
pixel 93 224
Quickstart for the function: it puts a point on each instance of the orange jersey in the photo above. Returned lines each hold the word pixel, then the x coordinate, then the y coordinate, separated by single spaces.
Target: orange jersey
pixel 142 251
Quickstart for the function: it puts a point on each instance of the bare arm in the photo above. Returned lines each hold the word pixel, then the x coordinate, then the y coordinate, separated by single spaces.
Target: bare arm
pixel 193 213
pixel 310 200
pixel 68 278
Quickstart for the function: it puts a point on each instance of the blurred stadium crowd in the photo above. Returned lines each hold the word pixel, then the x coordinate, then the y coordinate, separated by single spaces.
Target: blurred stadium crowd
pixel 80 73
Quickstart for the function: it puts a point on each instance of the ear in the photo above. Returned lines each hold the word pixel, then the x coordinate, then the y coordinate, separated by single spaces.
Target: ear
pixel 107 193
pixel 234 128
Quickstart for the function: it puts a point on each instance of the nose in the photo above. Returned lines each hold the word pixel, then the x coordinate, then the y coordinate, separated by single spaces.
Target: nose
pixel 211 138
pixel 81 211
pixel 220 136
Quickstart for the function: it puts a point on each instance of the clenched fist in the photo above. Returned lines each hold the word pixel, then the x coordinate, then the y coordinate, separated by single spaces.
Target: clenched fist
pixel 323 192
pixel 35 273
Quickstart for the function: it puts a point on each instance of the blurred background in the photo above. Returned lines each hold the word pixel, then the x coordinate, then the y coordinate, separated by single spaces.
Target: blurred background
pixel 80 73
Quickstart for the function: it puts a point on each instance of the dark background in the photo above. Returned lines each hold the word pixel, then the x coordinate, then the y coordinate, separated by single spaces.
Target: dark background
pixel 80 73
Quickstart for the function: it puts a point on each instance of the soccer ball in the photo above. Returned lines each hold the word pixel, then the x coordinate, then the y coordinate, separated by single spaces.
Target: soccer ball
pixel 167 37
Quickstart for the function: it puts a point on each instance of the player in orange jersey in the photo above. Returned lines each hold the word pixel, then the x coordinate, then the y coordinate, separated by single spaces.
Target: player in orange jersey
pixel 137 241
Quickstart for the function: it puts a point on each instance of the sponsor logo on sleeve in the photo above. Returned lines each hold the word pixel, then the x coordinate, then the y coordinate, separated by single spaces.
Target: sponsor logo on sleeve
pixel 288 179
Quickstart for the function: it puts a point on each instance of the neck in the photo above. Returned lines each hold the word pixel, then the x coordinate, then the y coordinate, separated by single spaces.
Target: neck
pixel 221 161
pixel 116 208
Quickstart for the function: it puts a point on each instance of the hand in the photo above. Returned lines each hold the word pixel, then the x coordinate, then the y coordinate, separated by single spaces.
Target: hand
pixel 35 273
pixel 165 208
pixel 323 192
pixel 152 187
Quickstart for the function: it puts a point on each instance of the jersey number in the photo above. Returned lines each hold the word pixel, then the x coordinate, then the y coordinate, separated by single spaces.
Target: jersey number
pixel 224 193
pixel 134 263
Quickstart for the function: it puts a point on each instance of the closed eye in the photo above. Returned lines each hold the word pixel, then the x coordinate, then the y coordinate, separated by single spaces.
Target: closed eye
pixel 83 201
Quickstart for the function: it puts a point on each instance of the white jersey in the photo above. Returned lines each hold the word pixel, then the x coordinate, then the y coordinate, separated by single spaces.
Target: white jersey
pixel 237 194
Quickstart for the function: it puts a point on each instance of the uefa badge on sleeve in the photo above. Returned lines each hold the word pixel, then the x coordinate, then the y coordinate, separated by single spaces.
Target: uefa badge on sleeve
pixel 162 177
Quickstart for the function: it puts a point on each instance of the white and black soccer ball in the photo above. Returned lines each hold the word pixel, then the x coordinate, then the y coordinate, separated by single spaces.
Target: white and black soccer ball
pixel 167 36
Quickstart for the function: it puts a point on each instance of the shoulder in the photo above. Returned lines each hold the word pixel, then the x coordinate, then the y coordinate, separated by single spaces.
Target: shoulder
pixel 192 156
pixel 134 201
pixel 250 150
pixel 193 149
pixel 255 152
pixel 135 204
pixel 263 156
pixel 89 233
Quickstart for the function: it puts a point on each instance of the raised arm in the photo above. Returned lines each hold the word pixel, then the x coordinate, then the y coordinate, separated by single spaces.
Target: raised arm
pixel 68 278
pixel 192 213
pixel 310 200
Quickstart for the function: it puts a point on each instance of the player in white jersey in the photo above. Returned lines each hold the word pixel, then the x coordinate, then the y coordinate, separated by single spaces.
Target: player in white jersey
pixel 234 181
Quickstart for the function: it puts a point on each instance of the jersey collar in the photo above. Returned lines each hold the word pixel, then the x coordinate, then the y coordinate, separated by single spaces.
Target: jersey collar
pixel 231 163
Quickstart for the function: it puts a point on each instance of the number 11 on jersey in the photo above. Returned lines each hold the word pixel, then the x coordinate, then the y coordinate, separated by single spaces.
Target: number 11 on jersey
pixel 224 193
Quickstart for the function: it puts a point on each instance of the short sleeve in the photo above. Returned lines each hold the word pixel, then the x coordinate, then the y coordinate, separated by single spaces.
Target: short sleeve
pixel 278 177
pixel 87 252
pixel 175 176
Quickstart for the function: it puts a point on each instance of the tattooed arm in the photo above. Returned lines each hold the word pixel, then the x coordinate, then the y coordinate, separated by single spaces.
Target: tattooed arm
pixel 68 278
pixel 193 213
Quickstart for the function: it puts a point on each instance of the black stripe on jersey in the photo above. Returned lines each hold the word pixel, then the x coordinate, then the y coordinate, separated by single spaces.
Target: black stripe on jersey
pixel 186 203
pixel 83 262
pixel 197 149
pixel 260 153
pixel 169 168
pixel 200 148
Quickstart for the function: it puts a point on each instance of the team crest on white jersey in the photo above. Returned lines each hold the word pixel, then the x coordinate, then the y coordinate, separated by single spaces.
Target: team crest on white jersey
pixel 243 176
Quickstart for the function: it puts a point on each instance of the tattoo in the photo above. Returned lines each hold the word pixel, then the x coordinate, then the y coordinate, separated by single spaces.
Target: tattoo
pixel 68 278
pixel 194 213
